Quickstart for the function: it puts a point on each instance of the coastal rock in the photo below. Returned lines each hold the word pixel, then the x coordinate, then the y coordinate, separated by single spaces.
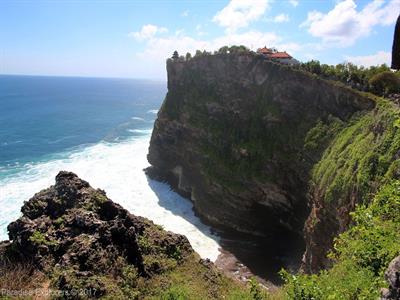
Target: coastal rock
pixel 76 234
pixel 232 136
pixel 392 275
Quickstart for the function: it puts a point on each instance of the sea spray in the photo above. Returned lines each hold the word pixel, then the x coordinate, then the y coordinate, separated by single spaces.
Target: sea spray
pixel 116 168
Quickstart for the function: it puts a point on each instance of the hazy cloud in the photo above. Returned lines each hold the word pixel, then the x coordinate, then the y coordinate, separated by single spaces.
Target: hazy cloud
pixel 240 13
pixel 147 32
pixel 282 18
pixel 381 57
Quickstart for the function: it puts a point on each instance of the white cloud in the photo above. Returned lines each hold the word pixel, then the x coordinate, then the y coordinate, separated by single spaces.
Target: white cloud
pixel 240 13
pixel 185 13
pixel 252 39
pixel 291 48
pixel 344 24
pixel 282 18
pixel 147 32
pixel 159 48
pixel 294 3
pixel 381 57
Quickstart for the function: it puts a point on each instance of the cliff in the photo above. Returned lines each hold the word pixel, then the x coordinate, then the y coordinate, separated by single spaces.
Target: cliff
pixel 72 242
pixel 265 149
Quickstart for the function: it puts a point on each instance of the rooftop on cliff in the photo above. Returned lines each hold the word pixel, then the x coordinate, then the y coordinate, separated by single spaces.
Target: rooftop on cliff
pixel 273 53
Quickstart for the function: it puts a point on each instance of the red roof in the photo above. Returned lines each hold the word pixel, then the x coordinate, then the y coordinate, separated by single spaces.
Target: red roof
pixel 279 55
pixel 264 50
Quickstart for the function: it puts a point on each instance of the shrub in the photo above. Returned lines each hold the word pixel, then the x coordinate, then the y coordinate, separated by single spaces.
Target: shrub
pixel 385 83
pixel 39 238
pixel 360 255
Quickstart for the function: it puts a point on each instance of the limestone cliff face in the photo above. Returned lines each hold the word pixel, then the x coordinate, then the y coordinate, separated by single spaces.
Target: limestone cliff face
pixel 237 134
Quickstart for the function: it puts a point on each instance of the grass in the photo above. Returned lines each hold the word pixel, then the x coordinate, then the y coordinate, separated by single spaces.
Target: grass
pixel 192 280
pixel 361 157
pixel 22 277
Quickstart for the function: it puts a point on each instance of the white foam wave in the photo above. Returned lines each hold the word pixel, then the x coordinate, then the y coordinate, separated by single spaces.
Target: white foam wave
pixel 137 118
pixel 118 169
pixel 152 111
pixel 141 131
pixel 10 143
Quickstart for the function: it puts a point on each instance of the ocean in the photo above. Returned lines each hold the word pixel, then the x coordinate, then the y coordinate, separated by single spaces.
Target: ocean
pixel 97 128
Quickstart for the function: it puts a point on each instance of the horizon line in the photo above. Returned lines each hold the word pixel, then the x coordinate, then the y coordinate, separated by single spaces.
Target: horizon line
pixel 83 76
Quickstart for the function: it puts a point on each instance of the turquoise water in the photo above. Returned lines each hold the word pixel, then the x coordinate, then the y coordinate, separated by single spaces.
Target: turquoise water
pixel 97 128
pixel 45 115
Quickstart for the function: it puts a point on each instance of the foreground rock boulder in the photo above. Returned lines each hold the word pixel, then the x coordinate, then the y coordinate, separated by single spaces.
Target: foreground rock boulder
pixel 85 243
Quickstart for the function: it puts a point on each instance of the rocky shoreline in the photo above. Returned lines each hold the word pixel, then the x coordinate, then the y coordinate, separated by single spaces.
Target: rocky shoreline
pixel 244 257
pixel 79 240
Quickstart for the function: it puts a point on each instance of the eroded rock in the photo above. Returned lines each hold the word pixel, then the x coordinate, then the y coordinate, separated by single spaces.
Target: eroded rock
pixel 76 235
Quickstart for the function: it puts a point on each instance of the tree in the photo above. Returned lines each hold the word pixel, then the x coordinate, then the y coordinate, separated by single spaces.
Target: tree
pixel 188 56
pixel 238 49
pixel 385 83
pixel 223 50
pixel 313 66
pixel 175 55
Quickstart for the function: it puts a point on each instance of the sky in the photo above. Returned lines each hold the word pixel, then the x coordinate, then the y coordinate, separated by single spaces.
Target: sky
pixel 133 38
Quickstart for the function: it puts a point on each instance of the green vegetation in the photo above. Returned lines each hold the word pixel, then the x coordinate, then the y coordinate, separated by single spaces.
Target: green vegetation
pixel 321 134
pixel 385 83
pixel 362 156
pixel 39 238
pixel 199 53
pixel 360 255
pixel 379 80
pixel 98 199
pixel 189 280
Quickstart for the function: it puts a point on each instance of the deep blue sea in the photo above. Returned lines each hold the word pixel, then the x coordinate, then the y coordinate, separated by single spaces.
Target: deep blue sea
pixel 98 128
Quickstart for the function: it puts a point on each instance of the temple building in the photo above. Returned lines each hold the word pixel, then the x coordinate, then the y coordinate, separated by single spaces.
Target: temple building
pixel 275 55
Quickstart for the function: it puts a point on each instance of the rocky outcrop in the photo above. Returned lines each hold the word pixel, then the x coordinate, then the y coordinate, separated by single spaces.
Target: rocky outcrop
pixel 239 136
pixel 84 241
pixel 392 275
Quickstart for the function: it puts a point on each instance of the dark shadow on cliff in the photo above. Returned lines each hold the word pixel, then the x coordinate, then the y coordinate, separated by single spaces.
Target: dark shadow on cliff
pixel 264 257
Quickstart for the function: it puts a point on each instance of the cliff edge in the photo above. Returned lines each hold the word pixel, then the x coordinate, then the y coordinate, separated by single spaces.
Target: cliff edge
pixel 241 136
